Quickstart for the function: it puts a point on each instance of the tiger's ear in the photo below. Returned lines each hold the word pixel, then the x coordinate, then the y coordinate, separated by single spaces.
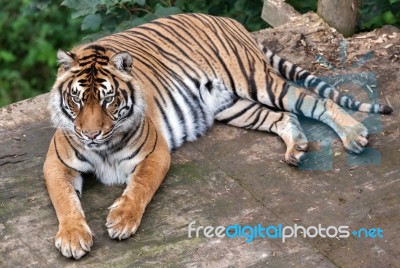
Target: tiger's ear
pixel 65 59
pixel 122 61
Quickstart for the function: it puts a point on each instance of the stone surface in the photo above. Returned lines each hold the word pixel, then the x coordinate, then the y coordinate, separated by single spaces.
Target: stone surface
pixel 230 176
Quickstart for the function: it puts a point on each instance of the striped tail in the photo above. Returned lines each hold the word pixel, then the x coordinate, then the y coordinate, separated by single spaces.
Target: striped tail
pixel 305 79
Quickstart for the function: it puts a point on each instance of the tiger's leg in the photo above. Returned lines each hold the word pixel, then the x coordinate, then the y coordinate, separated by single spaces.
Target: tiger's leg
pixel 252 115
pixel 274 92
pixel 352 133
pixel 74 237
pixel 126 213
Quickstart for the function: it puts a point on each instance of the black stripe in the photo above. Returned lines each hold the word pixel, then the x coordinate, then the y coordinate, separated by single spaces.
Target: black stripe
pixel 95 47
pixel 299 103
pixel 282 95
pixel 319 117
pixel 302 79
pixel 281 67
pixel 356 105
pixel 238 114
pixel 262 122
pixel 292 73
pixel 132 155
pixel 253 113
pixel 60 88
pixel 104 72
pixel 227 105
pixel 314 107
pixel 271 94
pixel 314 82
pixel 154 146
pixel 347 102
pixel 59 157
pixel 371 109
pixel 253 86
pixel 165 118
pixel 275 122
pixel 126 138
pixel 255 121
pixel 321 91
pixel 179 112
pixel 77 153
pixel 65 112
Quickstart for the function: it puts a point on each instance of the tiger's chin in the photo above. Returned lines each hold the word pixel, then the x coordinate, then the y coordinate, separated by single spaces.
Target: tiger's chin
pixel 96 145
pixel 93 145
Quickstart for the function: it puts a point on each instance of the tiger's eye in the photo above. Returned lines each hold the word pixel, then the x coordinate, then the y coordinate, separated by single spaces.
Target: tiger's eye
pixel 108 99
pixel 76 99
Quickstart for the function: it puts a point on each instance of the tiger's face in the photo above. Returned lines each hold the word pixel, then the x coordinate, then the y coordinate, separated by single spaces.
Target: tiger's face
pixel 95 95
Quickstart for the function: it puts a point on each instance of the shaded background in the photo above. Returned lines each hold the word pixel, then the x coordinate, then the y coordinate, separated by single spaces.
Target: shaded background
pixel 33 30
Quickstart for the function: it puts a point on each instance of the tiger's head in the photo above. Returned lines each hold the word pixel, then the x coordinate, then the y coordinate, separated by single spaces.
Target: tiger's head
pixel 95 94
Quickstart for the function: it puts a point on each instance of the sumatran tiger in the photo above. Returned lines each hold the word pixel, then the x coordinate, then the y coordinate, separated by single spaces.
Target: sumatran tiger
pixel 122 103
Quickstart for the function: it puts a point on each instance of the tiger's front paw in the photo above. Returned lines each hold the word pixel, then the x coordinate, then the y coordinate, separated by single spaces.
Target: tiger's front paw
pixel 124 218
pixel 74 238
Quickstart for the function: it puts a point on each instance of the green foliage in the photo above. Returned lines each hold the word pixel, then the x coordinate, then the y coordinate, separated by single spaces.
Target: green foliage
pixel 103 17
pixel 30 36
pixel 246 12
pixel 374 13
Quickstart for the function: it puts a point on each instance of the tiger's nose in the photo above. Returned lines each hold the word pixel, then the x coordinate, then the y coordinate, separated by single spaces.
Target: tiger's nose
pixel 91 134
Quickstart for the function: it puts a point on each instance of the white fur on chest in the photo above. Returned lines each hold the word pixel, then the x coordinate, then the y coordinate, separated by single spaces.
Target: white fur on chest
pixel 113 173
pixel 113 169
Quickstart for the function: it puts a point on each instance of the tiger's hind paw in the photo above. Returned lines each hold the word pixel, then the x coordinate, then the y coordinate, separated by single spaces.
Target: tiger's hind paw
pixel 355 139
pixel 295 153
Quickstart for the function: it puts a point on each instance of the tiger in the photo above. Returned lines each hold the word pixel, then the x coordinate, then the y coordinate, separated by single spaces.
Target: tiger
pixel 121 104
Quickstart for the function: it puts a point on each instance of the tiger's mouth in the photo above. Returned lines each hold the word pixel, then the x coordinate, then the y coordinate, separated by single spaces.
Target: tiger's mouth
pixel 93 143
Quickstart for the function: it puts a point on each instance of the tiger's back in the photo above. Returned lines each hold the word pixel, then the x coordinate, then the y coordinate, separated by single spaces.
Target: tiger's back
pixel 177 58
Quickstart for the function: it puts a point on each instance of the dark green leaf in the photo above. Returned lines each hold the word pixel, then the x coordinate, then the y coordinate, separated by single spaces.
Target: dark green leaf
pixel 82 13
pixel 80 4
pixel 91 21
pixel 139 2
pixel 82 7
pixel 166 11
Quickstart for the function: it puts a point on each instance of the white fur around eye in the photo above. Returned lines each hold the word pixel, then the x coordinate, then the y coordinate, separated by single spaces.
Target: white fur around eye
pixel 106 89
pixel 122 113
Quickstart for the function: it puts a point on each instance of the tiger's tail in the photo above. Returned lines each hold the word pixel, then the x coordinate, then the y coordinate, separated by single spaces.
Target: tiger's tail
pixel 305 79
